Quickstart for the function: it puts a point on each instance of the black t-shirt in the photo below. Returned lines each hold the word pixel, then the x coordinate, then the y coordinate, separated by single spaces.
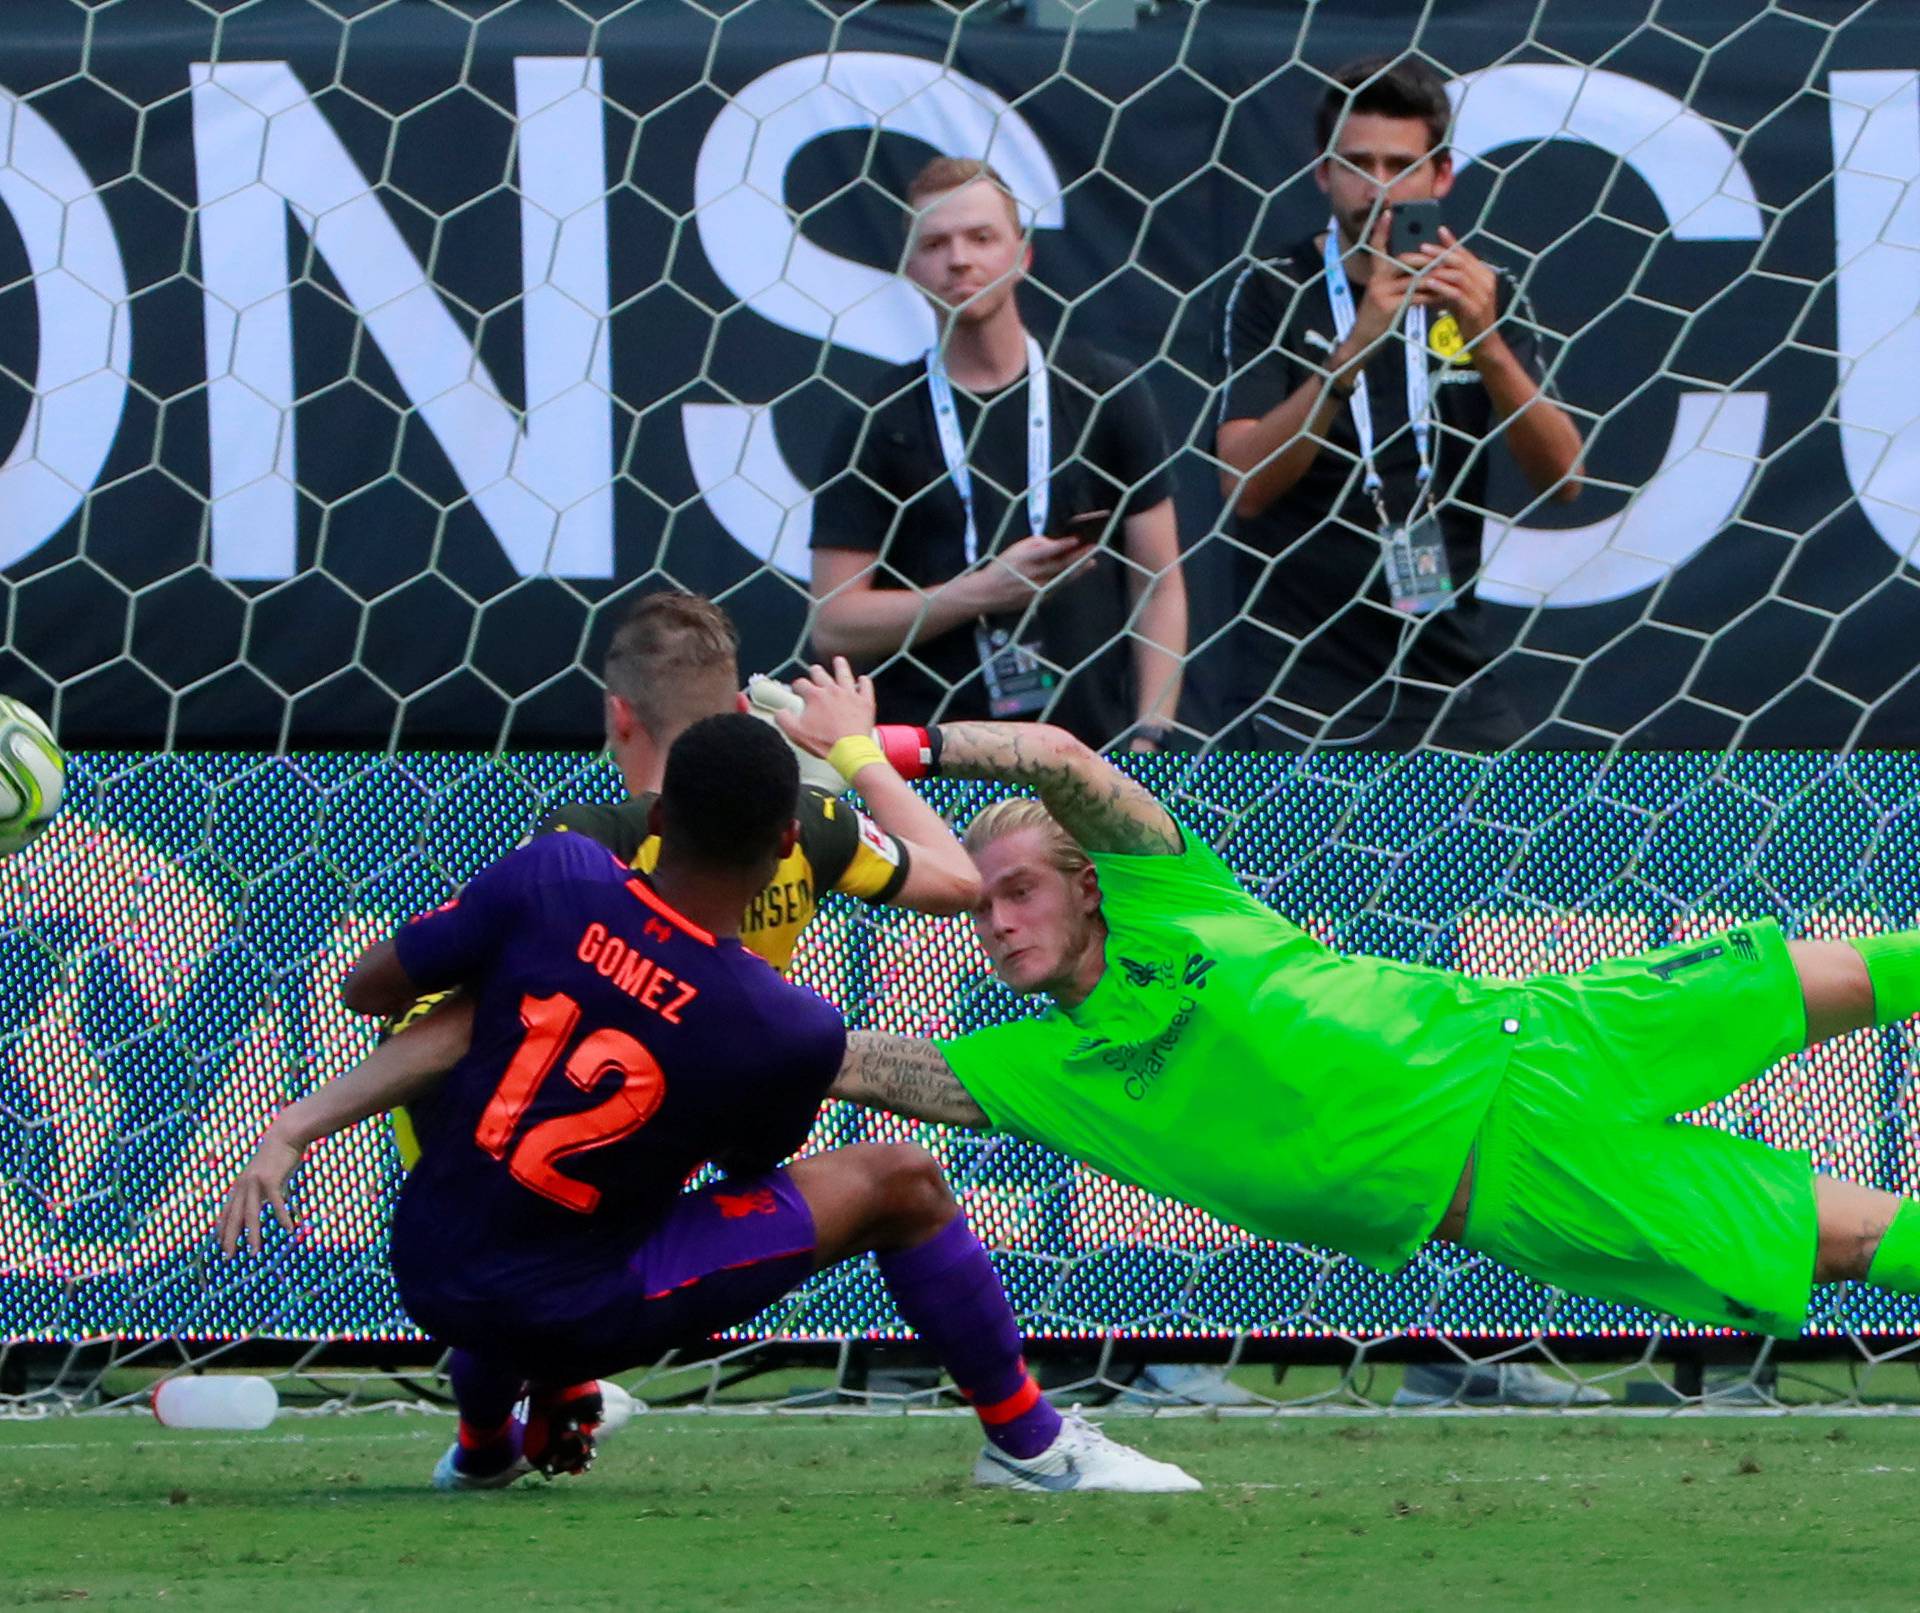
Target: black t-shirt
pixel 895 499
pixel 1349 663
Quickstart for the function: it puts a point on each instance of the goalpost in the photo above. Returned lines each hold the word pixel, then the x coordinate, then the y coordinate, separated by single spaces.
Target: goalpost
pixel 357 381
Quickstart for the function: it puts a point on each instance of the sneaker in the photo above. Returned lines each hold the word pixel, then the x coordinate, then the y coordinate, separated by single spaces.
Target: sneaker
pixel 1182 1384
pixel 1081 1458
pixel 561 1429
pixel 1505 1383
pixel 617 1408
pixel 449 1475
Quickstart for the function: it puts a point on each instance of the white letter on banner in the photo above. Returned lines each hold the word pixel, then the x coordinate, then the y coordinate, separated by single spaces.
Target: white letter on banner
pixel 755 245
pixel 1714 450
pixel 80 304
pixel 262 149
pixel 1876 252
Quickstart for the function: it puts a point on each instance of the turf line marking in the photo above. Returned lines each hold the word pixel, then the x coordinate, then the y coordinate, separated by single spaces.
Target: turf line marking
pixel 168 1438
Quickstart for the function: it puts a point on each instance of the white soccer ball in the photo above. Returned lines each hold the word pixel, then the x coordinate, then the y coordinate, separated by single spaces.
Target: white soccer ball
pixel 33 775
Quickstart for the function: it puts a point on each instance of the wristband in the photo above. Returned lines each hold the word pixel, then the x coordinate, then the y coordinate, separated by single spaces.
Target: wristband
pixel 914 752
pixel 854 752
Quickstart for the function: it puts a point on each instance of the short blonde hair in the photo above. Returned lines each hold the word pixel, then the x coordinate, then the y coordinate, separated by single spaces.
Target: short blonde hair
pixel 674 659
pixel 1023 812
pixel 950 173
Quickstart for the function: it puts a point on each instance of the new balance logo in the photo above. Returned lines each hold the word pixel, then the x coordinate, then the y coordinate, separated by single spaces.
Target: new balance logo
pixel 738 1206
pixel 1088 1044
pixel 1740 941
pixel 1198 966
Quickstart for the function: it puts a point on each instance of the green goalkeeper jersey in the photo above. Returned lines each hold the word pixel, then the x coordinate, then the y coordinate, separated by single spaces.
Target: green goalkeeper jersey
pixel 1229 1059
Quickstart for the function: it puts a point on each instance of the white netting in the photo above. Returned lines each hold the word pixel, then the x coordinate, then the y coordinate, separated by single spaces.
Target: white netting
pixel 363 367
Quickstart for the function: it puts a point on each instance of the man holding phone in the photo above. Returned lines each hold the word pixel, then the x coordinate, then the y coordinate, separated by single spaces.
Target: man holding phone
pixel 1367 370
pixel 1000 540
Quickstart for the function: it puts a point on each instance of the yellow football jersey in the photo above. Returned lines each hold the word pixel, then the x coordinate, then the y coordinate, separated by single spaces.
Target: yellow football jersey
pixel 839 849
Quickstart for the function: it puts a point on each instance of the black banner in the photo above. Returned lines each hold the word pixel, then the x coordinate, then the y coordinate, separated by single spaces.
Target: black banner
pixel 358 369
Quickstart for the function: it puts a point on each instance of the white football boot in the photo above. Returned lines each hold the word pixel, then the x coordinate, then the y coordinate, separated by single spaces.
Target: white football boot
pixel 446 1476
pixel 617 1406
pixel 1081 1458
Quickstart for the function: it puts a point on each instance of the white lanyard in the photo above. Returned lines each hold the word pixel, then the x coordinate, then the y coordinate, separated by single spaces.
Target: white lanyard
pixel 1419 393
pixel 953 447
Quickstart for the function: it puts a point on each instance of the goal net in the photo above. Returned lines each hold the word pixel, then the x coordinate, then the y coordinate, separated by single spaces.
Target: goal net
pixel 364 369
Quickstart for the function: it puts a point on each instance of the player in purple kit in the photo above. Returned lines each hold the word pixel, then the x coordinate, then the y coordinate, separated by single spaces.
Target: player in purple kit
pixel 623 1038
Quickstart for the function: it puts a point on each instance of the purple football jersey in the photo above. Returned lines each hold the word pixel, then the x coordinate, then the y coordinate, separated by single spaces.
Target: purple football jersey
pixel 617 1048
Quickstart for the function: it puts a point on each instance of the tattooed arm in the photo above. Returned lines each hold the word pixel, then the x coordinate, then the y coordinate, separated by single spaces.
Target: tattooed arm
pixel 1091 799
pixel 907 1075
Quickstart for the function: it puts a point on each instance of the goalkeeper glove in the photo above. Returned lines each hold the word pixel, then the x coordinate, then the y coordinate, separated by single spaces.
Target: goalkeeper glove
pixel 914 752
pixel 766 699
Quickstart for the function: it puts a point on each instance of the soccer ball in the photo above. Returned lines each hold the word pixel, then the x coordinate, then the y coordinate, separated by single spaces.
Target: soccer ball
pixel 33 775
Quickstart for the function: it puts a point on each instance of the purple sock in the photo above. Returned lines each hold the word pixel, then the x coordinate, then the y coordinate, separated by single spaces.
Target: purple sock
pixel 948 1293
pixel 486 1396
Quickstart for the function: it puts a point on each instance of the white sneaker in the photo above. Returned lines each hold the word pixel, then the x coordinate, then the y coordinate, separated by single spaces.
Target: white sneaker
pixel 1081 1458
pixel 446 1476
pixel 1505 1383
pixel 617 1408
pixel 1178 1383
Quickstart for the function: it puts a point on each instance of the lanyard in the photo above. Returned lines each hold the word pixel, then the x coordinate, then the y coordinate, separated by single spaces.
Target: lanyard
pixel 1419 394
pixel 953 449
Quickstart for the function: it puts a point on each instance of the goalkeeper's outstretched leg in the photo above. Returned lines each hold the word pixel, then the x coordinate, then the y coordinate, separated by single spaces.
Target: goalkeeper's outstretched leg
pixel 1582 1177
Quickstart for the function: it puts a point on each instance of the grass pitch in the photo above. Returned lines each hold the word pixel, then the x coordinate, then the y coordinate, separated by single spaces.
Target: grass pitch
pixel 716 1513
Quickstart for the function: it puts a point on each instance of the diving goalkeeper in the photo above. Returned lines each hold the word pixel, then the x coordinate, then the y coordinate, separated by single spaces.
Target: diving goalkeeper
pixel 1205 1048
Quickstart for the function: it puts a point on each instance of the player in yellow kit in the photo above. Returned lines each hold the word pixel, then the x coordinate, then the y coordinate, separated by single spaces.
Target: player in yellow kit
pixel 675 660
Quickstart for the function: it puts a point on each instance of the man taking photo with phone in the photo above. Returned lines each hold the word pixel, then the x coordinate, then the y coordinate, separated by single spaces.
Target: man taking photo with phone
pixel 1367 371
pixel 1000 539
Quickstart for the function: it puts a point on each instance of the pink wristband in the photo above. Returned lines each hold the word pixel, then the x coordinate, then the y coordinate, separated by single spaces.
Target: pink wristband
pixel 911 750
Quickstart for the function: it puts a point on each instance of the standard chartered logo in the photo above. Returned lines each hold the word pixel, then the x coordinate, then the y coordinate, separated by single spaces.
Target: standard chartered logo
pixel 1145 1062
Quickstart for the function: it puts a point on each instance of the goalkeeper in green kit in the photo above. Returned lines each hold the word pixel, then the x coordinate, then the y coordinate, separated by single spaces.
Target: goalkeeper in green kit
pixel 1205 1048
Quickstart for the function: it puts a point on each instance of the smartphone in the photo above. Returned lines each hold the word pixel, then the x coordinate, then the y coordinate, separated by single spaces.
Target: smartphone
pixel 1089 526
pixel 1415 224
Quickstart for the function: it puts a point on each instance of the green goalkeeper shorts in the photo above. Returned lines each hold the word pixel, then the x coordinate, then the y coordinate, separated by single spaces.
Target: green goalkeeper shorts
pixel 1583 1181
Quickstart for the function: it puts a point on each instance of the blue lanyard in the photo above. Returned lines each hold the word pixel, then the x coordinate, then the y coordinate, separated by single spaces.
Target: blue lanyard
pixel 1419 393
pixel 953 447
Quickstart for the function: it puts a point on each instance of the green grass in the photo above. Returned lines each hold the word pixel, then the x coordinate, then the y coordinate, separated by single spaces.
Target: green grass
pixel 794 1513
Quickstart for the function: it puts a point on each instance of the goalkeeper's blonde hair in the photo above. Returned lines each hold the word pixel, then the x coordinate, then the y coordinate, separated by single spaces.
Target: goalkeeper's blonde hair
pixel 1023 812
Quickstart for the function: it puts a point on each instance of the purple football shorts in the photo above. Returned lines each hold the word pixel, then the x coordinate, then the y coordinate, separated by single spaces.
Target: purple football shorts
pixel 717 1258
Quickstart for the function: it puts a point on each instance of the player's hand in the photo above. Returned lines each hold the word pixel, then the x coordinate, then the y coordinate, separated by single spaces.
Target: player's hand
pixel 1011 579
pixel 1382 300
pixel 768 699
pixel 260 1187
pixel 1453 279
pixel 833 706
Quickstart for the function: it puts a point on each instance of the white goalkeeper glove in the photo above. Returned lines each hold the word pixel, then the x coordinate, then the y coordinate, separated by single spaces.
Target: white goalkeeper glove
pixel 766 699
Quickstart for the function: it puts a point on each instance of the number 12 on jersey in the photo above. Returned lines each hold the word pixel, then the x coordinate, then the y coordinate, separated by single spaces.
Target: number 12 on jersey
pixel 535 1163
